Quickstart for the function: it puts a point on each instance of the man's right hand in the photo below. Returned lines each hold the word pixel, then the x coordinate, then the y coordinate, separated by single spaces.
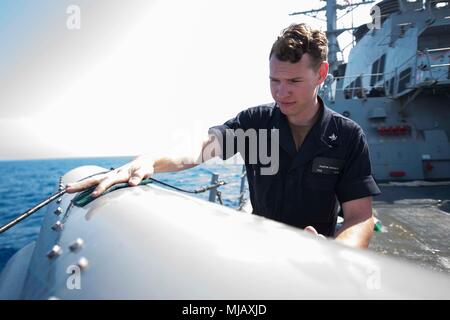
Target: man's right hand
pixel 133 173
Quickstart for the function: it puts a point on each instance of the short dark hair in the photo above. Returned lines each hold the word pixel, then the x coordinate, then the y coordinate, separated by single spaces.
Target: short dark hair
pixel 299 39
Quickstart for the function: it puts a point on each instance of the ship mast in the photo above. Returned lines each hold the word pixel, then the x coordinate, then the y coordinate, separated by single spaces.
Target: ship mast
pixel 333 32
pixel 333 45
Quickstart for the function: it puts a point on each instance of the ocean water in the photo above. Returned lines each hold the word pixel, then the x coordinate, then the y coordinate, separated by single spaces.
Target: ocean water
pixel 25 183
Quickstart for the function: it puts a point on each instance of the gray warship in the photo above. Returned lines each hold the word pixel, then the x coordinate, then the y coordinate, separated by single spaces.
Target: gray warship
pixel 396 85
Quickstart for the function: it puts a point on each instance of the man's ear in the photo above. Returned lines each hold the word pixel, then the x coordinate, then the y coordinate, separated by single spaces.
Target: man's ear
pixel 323 72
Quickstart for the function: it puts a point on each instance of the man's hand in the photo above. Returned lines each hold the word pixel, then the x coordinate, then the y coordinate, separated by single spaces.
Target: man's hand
pixel 144 166
pixel 311 229
pixel 132 172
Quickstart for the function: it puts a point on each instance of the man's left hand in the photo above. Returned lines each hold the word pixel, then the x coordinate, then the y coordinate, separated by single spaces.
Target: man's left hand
pixel 311 229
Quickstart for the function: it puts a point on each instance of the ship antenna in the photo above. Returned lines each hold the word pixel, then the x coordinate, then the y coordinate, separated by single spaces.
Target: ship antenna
pixel 333 32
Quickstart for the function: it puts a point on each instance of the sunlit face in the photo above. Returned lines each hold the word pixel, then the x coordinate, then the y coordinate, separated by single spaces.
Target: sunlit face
pixel 294 85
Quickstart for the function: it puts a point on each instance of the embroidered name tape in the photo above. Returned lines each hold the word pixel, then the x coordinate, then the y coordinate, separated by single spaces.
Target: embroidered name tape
pixel 327 165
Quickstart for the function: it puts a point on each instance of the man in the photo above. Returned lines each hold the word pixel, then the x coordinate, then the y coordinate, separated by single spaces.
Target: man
pixel 322 157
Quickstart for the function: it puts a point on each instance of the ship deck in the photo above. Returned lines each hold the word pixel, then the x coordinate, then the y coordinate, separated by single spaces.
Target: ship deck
pixel 416 224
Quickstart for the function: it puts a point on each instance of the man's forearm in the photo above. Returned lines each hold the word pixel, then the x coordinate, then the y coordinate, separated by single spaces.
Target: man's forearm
pixel 172 164
pixel 208 150
pixel 356 234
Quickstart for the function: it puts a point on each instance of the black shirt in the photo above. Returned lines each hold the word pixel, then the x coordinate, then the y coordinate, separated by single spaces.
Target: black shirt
pixel 332 166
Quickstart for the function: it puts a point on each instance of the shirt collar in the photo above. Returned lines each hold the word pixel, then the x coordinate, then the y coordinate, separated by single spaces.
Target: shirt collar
pixel 323 135
pixel 326 131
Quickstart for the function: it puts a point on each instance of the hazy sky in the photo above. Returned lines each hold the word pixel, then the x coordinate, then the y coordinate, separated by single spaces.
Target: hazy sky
pixel 138 76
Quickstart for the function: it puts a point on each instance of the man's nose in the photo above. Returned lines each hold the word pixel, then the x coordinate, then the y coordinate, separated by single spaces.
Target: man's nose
pixel 283 91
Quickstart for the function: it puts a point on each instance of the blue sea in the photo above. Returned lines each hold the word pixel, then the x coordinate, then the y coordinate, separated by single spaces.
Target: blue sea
pixel 24 183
